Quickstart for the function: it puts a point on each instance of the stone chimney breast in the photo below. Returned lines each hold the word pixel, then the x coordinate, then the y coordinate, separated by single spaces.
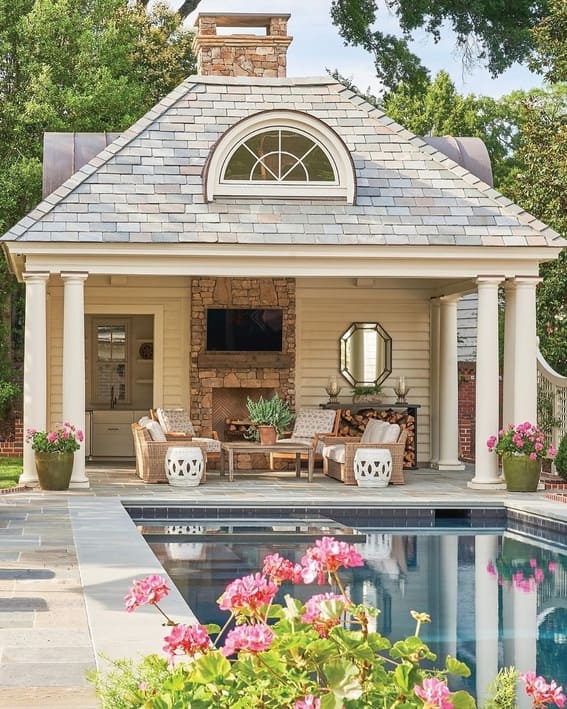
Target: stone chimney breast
pixel 241 54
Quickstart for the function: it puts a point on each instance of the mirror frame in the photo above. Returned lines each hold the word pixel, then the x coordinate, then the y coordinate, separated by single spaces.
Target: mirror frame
pixel 346 373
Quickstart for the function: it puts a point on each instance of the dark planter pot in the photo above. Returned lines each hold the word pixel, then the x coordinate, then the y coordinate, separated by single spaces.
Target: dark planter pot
pixel 267 435
pixel 54 470
pixel 521 473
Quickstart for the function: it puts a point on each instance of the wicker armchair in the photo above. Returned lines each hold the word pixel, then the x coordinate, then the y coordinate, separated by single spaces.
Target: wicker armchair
pixel 311 424
pixel 177 426
pixel 150 454
pixel 345 471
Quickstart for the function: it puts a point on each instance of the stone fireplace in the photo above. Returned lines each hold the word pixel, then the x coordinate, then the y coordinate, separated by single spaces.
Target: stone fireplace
pixel 221 381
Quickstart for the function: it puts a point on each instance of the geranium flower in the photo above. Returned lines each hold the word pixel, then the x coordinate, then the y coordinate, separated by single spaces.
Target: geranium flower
pixel 323 612
pixel 248 594
pixel 251 638
pixel 434 693
pixel 280 569
pixel 150 589
pixel 308 702
pixel 326 557
pixel 542 693
pixel 188 640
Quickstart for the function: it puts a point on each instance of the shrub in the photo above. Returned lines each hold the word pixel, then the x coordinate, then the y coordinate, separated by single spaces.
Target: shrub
pixel 9 392
pixel 561 458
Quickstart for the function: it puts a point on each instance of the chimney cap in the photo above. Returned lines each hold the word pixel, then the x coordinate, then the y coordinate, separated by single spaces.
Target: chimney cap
pixel 243 19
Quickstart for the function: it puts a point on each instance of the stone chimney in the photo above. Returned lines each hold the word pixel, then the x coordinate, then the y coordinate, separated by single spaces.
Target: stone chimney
pixel 241 54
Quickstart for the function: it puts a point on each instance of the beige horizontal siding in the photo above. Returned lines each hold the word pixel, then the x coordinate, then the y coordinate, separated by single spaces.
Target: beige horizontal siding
pixel 325 310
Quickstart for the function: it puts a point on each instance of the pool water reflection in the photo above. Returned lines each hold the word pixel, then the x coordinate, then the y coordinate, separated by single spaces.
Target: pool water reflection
pixel 495 599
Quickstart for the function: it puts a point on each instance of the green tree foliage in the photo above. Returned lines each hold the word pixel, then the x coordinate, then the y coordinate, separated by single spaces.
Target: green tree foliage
pixel 438 109
pixel 551 41
pixel 75 65
pixel 496 34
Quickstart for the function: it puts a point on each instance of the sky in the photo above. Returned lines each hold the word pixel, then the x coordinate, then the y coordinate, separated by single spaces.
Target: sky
pixel 317 47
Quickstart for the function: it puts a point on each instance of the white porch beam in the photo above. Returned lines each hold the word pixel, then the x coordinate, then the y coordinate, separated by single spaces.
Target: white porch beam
pixel 448 387
pixel 74 365
pixel 524 348
pixel 35 366
pixel 487 383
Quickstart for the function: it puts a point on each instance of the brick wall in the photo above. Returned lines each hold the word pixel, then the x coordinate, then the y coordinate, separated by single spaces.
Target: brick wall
pixel 467 405
pixel 241 54
pixel 12 437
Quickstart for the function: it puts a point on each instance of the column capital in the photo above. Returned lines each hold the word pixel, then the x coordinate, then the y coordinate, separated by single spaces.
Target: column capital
pixel 519 281
pixel 35 275
pixel 489 280
pixel 74 276
pixel 451 299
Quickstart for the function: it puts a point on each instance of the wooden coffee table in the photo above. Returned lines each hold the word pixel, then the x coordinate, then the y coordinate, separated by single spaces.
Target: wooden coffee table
pixel 229 448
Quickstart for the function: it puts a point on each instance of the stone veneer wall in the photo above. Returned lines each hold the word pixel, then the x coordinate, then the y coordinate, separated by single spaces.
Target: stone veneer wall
pixel 241 54
pixel 273 370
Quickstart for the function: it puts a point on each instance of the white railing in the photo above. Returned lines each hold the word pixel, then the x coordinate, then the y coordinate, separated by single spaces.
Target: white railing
pixel 552 401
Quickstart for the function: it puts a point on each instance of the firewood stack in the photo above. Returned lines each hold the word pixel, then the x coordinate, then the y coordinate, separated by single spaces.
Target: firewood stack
pixel 236 428
pixel 354 423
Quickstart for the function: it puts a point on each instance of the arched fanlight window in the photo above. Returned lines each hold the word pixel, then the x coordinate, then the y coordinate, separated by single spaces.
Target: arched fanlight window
pixel 280 154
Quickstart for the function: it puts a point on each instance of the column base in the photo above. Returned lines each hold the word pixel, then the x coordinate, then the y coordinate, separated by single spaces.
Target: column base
pixel 79 484
pixel 480 484
pixel 29 479
pixel 448 465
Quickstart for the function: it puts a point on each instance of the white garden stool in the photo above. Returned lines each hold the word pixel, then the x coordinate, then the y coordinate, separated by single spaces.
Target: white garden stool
pixel 372 467
pixel 184 466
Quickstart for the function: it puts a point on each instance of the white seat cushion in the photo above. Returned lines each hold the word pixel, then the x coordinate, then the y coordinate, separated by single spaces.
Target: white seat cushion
pixel 175 421
pixel 144 420
pixel 374 431
pixel 335 452
pixel 392 434
pixel 213 446
pixel 155 431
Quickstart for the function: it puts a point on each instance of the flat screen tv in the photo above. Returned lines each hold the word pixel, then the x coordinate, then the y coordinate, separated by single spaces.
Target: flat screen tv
pixel 244 330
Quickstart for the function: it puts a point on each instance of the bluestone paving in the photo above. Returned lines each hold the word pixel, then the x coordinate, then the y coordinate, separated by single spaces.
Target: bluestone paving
pixel 69 557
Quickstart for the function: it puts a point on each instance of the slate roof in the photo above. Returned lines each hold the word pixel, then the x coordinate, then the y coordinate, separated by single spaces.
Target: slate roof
pixel 147 185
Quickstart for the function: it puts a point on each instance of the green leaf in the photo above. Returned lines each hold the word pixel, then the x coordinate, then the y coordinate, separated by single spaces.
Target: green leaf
pixel 402 675
pixel 456 667
pixel 342 678
pixel 211 667
pixel 331 701
pixel 463 700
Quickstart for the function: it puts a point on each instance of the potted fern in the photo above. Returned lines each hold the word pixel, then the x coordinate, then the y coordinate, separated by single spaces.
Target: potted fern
pixel 269 418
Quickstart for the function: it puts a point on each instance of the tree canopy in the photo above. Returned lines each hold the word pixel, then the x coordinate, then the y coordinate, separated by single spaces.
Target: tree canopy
pixel 495 34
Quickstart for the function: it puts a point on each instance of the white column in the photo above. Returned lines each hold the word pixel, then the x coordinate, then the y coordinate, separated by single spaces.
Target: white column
pixel 486 615
pixel 509 339
pixel 35 366
pixel 487 419
pixel 525 351
pixel 434 378
pixel 448 387
pixel 74 365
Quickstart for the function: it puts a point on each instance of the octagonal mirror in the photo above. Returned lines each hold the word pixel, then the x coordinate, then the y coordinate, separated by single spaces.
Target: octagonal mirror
pixel 366 354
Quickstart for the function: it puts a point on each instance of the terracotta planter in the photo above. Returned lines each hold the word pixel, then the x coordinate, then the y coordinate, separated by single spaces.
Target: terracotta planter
pixel 521 473
pixel 54 470
pixel 267 435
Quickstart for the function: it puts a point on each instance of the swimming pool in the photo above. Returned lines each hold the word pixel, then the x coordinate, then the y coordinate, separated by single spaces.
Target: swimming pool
pixel 466 576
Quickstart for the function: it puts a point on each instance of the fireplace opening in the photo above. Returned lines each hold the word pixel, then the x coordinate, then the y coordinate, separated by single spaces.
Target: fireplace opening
pixel 229 405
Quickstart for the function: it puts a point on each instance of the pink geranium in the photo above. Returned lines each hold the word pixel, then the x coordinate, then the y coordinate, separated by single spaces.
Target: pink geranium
pixel 249 594
pixel 434 693
pixel 251 638
pixel 542 693
pixel 525 438
pixel 323 612
pixel 150 589
pixel 280 569
pixel 187 640
pixel 308 702
pixel 326 557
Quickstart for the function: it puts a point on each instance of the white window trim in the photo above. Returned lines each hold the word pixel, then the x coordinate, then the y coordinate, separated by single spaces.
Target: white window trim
pixel 343 188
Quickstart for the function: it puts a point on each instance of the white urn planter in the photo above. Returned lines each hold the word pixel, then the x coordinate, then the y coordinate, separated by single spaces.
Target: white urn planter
pixel 373 467
pixel 184 466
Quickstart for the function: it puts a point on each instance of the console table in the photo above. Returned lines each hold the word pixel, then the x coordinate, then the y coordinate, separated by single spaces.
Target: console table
pixel 353 419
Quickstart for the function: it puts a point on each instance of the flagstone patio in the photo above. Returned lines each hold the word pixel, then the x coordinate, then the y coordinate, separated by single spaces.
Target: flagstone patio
pixel 68 558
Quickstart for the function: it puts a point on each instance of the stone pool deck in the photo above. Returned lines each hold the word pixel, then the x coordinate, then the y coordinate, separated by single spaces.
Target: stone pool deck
pixel 68 558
